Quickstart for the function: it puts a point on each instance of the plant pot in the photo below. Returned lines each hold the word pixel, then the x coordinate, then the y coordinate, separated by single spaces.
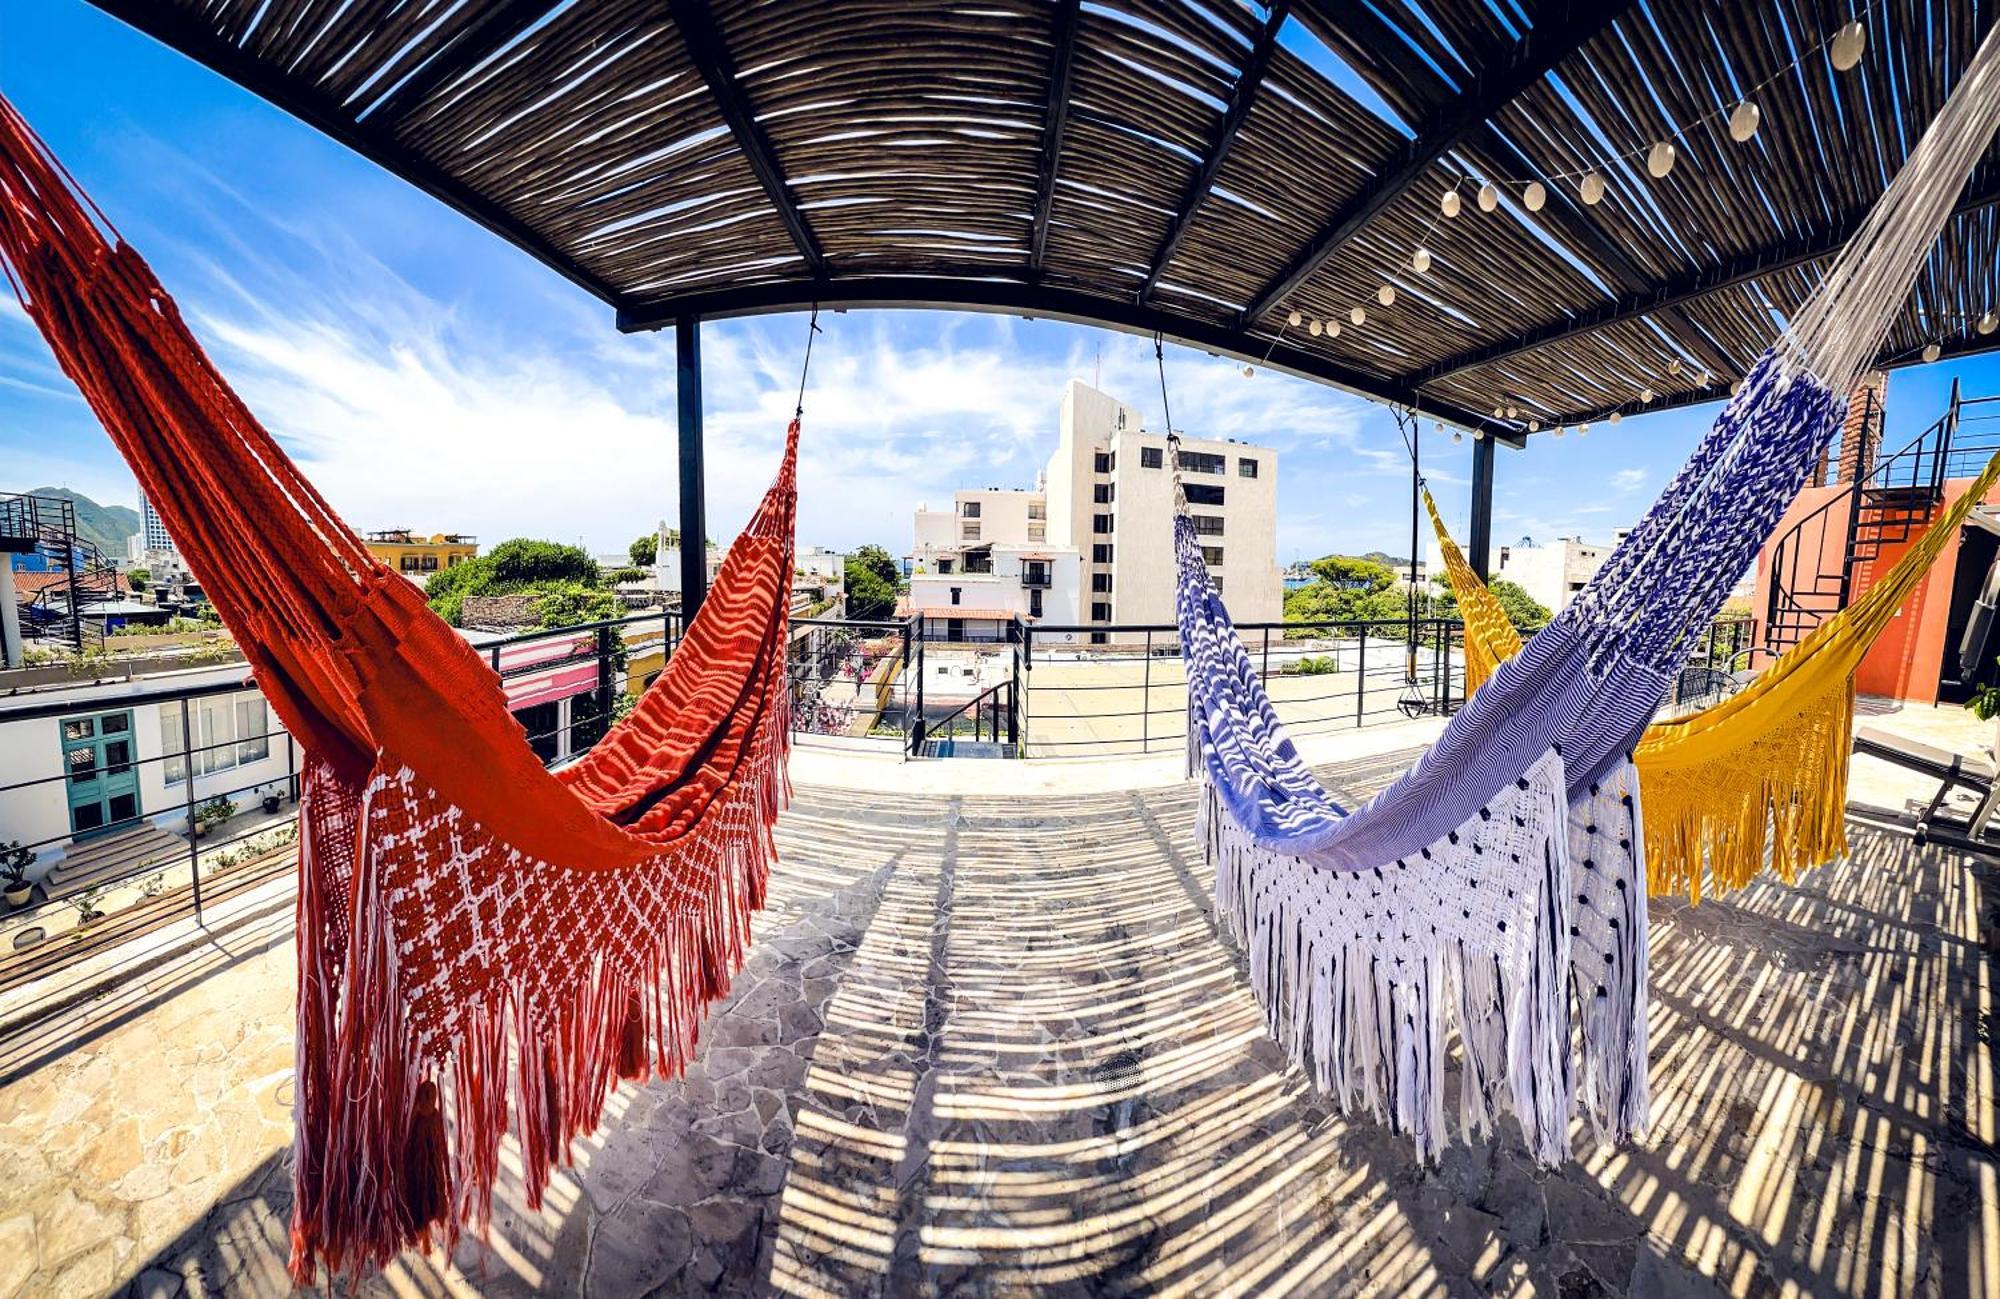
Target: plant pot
pixel 19 894
pixel 270 802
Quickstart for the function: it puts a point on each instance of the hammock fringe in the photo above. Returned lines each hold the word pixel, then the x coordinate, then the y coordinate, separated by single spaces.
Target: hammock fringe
pixel 1367 1021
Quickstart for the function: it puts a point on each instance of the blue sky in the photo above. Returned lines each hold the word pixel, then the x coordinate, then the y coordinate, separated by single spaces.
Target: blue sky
pixel 431 376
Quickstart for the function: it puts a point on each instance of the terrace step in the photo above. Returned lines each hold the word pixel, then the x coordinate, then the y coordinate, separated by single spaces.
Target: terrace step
pixel 949 748
pixel 99 861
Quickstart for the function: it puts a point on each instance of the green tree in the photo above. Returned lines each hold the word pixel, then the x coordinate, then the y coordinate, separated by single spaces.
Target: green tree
pixel 1522 609
pixel 522 560
pixel 566 574
pixel 879 562
pixel 1347 571
pixel 872 578
pixel 138 579
pixel 645 551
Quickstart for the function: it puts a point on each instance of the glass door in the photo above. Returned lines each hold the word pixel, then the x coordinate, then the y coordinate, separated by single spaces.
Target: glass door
pixel 103 781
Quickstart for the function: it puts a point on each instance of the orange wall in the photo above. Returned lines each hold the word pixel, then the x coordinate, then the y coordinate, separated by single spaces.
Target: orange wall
pixel 1908 657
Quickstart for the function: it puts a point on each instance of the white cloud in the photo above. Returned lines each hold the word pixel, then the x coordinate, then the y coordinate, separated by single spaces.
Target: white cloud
pixel 1626 479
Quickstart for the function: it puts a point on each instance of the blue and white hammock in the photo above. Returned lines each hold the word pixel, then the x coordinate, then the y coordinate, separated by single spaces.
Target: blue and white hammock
pixel 1498 887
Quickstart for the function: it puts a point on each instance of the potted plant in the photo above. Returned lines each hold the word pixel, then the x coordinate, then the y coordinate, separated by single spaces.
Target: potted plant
pixel 14 863
pixel 268 796
pixel 1985 705
pixel 212 813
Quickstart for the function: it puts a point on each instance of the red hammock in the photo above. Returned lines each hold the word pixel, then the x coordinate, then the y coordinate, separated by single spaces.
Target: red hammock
pixel 475 934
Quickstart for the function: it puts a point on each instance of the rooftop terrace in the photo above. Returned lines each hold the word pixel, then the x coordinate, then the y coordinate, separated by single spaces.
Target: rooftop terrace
pixel 991 1043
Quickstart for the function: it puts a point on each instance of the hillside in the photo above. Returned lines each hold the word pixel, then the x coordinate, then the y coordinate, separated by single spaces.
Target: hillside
pixel 107 527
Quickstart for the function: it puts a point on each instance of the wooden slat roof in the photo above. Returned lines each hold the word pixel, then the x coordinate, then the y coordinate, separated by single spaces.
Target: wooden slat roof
pixel 1187 166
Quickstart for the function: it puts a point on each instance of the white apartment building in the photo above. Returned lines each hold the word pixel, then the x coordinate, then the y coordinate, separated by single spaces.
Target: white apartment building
pixel 986 561
pixel 1110 495
pixel 1554 572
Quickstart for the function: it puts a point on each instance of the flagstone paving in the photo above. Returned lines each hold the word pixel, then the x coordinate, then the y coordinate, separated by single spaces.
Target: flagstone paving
pixel 991 1045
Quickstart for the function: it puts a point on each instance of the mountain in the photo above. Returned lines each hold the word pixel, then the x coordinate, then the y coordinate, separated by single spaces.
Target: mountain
pixel 108 527
pixel 1388 561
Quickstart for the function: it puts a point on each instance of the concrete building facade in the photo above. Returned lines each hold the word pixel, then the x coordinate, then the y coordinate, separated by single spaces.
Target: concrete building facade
pixel 1553 572
pixel 1110 496
pixel 986 561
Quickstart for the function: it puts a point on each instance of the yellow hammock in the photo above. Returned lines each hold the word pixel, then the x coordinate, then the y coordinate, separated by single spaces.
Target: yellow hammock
pixel 1766 767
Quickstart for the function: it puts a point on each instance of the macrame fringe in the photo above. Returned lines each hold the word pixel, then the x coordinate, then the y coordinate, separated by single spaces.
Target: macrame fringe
pixel 378 1074
pixel 1367 1019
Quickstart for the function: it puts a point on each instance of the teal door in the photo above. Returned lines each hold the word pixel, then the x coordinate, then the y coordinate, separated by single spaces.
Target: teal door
pixel 103 783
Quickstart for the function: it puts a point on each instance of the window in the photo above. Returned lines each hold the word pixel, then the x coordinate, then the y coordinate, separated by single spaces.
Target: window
pixel 1100 611
pixel 1101 493
pixel 944 568
pixel 1038 510
pixel 978 562
pixel 1246 467
pixel 968 532
pixel 1100 553
pixel 1201 462
pixel 430 563
pixel 1202 494
pixel 955 592
pixel 1215 580
pixel 212 725
pixel 970 509
pixel 1098 638
pixel 1100 584
pixel 1151 458
pixel 1101 524
pixel 1207 525
pixel 409 563
pixel 1212 556
pixel 1038 532
pixel 1035 602
pixel 1103 464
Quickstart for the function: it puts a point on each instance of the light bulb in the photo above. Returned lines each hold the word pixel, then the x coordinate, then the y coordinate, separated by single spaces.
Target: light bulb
pixel 1736 387
pixel 1386 295
pixel 1489 197
pixel 1559 430
pixel 1513 412
pixel 1701 380
pixel 1645 395
pixel 1248 371
pixel 1931 351
pixel 1420 260
pixel 1294 318
pixel 1499 412
pixel 1660 159
pixel 1534 196
pixel 1583 429
pixel 1333 329
pixel 1358 316
pixel 1617 415
pixel 1534 426
pixel 1848 43
pixel 1479 435
pixel 1989 322
pixel 1591 189
pixel 1438 426
pixel 1457 436
pixel 1673 365
pixel 1449 203
pixel 1316 328
pixel 1744 120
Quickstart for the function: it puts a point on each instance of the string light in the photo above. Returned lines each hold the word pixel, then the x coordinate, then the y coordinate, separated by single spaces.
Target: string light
pixel 1513 412
pixel 1420 261
pixel 1989 322
pixel 1358 316
pixel 1848 44
pixel 1489 197
pixel 1386 295
pixel 1499 412
pixel 1294 318
pixel 1702 380
pixel 1674 365
pixel 1449 203
pixel 1559 430
pixel 1249 371
pixel 1736 387
pixel 1744 120
pixel 1457 436
pixel 1583 429
pixel 1534 196
pixel 1479 435
pixel 1931 351
pixel 1317 328
pixel 1534 426
pixel 1333 329
pixel 1591 189
pixel 1645 396
pixel 1617 416
pixel 1660 159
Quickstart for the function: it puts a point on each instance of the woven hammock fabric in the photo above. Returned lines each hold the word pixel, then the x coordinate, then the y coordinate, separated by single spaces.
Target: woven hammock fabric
pixel 1513 852
pixel 483 945
pixel 1490 636
pixel 1760 777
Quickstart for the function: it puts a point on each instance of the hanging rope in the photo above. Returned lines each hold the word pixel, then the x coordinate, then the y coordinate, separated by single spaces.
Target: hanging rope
pixel 812 331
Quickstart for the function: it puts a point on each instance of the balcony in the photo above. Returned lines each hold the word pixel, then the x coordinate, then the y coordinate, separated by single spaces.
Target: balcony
pixel 1037 575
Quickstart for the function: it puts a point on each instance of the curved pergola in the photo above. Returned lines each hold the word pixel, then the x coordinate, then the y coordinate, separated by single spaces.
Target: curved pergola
pixel 1199 168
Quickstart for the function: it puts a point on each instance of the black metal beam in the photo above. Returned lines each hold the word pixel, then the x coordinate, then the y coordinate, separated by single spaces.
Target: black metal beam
pixel 1240 99
pixel 1479 540
pixel 179 29
pixel 498 23
pixel 710 56
pixel 1055 119
pixel 1037 301
pixel 693 488
pixel 1769 260
pixel 1547 43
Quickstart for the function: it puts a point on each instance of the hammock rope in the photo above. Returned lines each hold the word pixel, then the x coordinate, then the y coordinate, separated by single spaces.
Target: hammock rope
pixel 1503 878
pixel 483 945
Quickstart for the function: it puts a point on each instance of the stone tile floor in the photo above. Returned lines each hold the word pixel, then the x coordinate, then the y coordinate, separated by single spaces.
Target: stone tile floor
pixel 990 1045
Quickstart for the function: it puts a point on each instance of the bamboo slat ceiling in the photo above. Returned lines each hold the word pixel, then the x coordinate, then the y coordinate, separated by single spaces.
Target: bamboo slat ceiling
pixel 1190 166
